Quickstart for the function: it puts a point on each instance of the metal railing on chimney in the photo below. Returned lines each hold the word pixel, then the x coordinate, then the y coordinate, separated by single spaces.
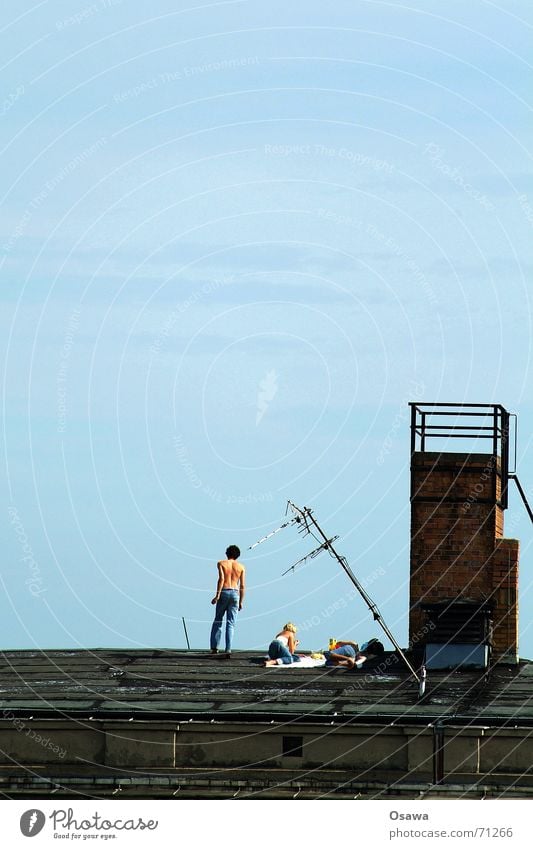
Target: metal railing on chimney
pixel 469 422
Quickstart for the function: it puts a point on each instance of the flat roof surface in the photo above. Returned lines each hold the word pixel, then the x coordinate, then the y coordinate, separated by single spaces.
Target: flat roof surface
pixel 176 684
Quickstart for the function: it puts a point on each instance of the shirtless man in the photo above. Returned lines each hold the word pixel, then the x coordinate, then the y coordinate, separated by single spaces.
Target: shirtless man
pixel 228 599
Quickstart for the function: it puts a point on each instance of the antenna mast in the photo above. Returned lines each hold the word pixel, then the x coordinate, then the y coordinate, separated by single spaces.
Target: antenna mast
pixel 303 516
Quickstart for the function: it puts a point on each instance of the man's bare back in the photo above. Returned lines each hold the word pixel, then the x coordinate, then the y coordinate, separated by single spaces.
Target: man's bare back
pixel 231 576
pixel 232 571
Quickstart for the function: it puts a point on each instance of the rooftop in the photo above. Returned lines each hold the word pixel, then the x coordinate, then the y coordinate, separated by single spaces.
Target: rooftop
pixel 183 685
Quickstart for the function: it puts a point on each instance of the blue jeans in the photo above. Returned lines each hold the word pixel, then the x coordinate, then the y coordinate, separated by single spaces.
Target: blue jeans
pixel 279 651
pixel 228 604
pixel 345 651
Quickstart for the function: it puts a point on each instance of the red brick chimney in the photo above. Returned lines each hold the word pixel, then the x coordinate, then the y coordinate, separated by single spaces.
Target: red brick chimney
pixel 458 553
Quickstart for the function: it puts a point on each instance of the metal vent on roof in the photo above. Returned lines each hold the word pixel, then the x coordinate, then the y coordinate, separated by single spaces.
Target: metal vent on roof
pixel 459 633
pixel 456 655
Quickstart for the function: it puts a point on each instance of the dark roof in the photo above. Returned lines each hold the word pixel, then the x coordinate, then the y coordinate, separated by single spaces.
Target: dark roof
pixel 168 684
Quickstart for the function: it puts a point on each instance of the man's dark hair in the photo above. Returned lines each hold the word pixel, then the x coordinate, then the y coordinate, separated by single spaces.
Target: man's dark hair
pixel 232 552
pixel 374 647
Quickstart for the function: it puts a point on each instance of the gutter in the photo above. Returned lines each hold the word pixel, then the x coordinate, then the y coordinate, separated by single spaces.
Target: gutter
pixel 392 719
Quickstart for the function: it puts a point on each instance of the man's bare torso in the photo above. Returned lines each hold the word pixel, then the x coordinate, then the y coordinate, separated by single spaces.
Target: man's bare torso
pixel 231 571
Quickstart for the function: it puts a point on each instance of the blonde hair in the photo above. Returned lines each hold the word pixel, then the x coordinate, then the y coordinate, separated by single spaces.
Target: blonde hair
pixel 290 627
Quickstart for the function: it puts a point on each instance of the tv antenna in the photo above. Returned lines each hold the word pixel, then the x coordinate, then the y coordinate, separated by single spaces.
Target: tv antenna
pixel 308 525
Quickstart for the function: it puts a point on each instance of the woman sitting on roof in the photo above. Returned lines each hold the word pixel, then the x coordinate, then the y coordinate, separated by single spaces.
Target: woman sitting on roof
pixel 282 648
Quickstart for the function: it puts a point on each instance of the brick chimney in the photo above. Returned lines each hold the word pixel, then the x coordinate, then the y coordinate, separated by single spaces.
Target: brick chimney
pixel 458 554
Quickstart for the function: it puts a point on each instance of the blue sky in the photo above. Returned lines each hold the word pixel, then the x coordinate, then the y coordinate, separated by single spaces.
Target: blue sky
pixel 235 240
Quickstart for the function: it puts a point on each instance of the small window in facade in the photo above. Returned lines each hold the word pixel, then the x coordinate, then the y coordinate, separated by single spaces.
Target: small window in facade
pixel 292 747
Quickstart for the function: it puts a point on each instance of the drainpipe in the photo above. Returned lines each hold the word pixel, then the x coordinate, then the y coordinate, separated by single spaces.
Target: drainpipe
pixel 438 752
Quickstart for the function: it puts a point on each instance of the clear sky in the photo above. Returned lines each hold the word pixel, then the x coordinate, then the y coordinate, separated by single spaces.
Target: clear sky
pixel 236 238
